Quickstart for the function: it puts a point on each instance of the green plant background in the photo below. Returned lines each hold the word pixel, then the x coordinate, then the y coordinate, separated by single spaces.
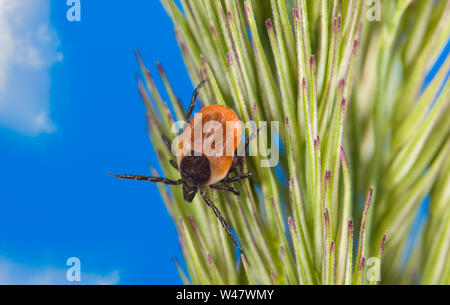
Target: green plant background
pixel 363 143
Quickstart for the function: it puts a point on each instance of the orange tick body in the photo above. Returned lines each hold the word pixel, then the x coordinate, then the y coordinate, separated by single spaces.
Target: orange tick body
pixel 221 129
pixel 201 165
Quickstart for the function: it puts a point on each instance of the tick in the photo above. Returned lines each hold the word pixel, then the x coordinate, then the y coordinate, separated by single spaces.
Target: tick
pixel 199 170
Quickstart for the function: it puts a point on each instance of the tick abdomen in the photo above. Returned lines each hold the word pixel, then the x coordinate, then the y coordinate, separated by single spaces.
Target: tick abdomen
pixel 220 157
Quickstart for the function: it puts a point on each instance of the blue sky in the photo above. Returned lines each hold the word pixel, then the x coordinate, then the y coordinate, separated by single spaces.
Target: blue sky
pixel 71 114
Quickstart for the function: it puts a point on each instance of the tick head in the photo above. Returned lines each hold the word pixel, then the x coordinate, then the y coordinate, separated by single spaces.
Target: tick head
pixel 189 193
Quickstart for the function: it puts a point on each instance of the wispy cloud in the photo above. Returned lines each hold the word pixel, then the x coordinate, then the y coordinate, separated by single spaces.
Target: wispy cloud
pixel 12 273
pixel 29 47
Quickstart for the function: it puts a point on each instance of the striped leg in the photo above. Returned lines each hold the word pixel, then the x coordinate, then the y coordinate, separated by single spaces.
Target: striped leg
pixel 149 179
pixel 219 216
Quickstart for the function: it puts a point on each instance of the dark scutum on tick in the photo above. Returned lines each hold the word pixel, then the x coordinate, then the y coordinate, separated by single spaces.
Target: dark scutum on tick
pixel 195 170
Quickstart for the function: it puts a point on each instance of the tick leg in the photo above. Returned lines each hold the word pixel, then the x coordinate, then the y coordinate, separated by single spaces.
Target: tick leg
pixel 225 188
pixel 149 179
pixel 169 147
pixel 194 97
pixel 237 178
pixel 237 163
pixel 174 164
pixel 167 142
pixel 219 216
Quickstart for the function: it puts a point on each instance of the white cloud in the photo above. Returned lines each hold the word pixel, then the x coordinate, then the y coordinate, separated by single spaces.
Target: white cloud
pixel 28 49
pixel 12 273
